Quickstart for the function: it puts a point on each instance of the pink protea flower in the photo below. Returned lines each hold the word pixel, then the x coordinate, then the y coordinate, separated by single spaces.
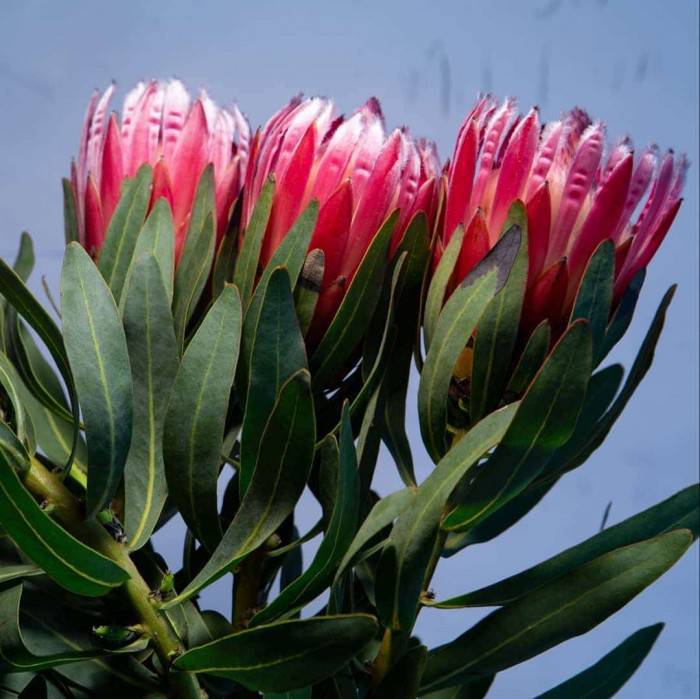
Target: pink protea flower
pixel 358 174
pixel 160 126
pixel 574 196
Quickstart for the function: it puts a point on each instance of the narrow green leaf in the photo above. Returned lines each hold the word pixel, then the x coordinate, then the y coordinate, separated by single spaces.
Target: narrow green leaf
pixel 124 227
pixel 225 261
pixel 276 353
pixel 308 288
pixel 22 300
pixel 566 607
pixel 14 656
pixel 247 261
pixel 622 317
pixel 384 512
pixel 279 477
pixel 283 656
pixel 338 537
pixel 65 559
pixel 24 262
pixel 195 418
pixel 70 213
pixel 456 323
pixel 150 340
pixel 682 511
pixel 7 382
pixel 476 689
pixel 403 679
pixel 531 359
pixel 594 296
pixel 438 286
pixel 96 347
pixel 545 420
pixel 14 450
pixel 191 275
pixel 405 557
pixel 605 679
pixel 356 310
pixel 18 571
pixel 158 237
pixel 498 329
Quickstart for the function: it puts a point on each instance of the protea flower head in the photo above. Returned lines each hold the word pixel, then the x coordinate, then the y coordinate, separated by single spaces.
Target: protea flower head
pixel 575 198
pixel 358 174
pixel 161 126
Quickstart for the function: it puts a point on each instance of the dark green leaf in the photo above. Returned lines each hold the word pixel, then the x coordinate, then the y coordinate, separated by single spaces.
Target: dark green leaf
pixel 356 310
pixel 65 559
pixel 605 679
pixel 279 476
pixel 8 381
pixel 21 299
pixel 158 237
pixel 195 419
pixel 247 260
pixel 477 689
pixel 308 288
pixel 403 679
pixel 404 560
pixel 384 512
pixel 150 339
pixel 225 261
pixel 96 347
pixel 438 286
pixel 545 420
pixel 455 325
pixel 566 607
pixel 498 329
pixel 18 571
pixel 124 227
pixel 339 536
pixel 531 360
pixel 594 296
pixel 70 213
pixel 678 512
pixel 14 450
pixel 276 352
pixel 283 656
pixel 622 317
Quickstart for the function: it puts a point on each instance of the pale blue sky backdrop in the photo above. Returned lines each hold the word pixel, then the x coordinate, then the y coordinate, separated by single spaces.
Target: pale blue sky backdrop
pixel 632 64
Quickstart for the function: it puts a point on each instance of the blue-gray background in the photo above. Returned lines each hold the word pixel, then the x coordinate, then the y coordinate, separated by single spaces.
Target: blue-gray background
pixel 632 64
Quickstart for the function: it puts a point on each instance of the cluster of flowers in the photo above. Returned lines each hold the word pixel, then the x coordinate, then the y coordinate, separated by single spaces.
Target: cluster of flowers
pixel 576 195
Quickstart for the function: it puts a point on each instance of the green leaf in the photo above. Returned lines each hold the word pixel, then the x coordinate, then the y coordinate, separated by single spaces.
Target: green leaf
pixel 195 418
pixel 17 571
pixel 605 679
pixel 531 360
pixel 158 237
pixel 308 288
pixel 545 420
pixel 678 512
pixel 304 693
pixel 283 656
pixel 404 560
pixel 65 559
pixel 247 261
pixel 14 656
pixel 594 296
pixel 338 537
pixel 70 213
pixel 98 356
pixel 438 286
pixel 279 477
pixel 226 254
pixel 21 299
pixel 384 512
pixel 7 382
pixel 403 679
pixel 36 689
pixel 455 325
pixel 356 310
pixel 191 275
pixel 622 317
pixel 150 340
pixel 24 262
pixel 276 353
pixel 477 689
pixel 566 607
pixel 14 450
pixel 498 329
pixel 569 458
pixel 124 227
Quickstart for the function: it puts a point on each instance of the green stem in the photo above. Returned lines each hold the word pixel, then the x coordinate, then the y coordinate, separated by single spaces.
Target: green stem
pixel 40 482
pixel 246 590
